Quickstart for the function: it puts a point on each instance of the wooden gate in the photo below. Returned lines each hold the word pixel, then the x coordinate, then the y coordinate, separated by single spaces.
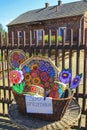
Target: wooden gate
pixel 64 55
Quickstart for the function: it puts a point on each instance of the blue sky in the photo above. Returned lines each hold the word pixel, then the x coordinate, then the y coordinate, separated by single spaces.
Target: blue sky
pixel 10 9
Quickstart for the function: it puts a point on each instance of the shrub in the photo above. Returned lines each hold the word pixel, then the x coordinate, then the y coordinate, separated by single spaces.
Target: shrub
pixel 52 38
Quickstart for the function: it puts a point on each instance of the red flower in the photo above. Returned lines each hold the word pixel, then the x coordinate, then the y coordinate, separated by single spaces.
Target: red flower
pixel 47 84
pixel 14 77
pixel 54 94
pixel 35 73
pixel 15 56
pixel 54 87
pixel 34 89
pixel 41 85
pixel 44 76
pixel 51 79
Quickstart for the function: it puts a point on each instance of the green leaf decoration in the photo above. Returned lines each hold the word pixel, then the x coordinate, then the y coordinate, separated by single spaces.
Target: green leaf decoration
pixel 80 75
pixel 19 87
pixel 17 68
pixel 68 70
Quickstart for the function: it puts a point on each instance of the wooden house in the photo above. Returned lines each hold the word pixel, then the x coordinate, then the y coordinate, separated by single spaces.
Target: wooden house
pixel 39 23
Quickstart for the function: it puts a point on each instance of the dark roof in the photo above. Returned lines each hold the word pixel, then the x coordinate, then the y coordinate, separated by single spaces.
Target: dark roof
pixel 52 12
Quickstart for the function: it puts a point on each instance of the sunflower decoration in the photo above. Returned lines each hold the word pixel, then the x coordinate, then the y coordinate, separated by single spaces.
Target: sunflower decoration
pixel 36 81
pixel 34 66
pixel 27 77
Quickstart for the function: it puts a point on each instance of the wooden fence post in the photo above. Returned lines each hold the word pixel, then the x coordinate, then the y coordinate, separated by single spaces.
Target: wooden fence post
pixel 86 49
pixel 30 38
pixel 24 38
pixel 12 38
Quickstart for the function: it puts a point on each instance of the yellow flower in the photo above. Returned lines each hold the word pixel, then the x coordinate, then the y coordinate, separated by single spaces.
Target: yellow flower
pixel 36 81
pixel 63 87
pixel 27 77
pixel 34 66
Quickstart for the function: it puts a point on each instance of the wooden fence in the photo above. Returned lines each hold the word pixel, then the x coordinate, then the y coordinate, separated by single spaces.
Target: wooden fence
pixel 64 55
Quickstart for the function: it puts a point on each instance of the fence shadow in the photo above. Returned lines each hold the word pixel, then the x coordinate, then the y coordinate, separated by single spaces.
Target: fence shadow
pixel 6 124
pixel 76 128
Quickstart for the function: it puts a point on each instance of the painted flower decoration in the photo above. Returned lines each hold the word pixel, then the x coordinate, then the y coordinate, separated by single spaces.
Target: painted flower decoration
pixel 34 66
pixel 19 87
pixel 27 77
pixel 65 76
pixel 36 81
pixel 44 77
pixel 51 72
pixel 15 63
pixel 35 73
pixel 41 85
pixel 42 67
pixel 16 57
pixel 75 82
pixel 26 69
pixel 21 76
pixel 15 76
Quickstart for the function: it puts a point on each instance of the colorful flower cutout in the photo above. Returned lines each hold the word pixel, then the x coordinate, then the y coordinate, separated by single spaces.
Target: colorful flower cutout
pixel 39 72
pixel 16 57
pixel 19 87
pixel 65 76
pixel 75 82
pixel 16 76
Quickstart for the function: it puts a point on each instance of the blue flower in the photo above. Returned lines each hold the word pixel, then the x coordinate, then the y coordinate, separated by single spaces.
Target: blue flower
pixel 65 76
pixel 41 62
pixel 26 68
pixel 15 63
pixel 60 92
pixel 75 82
pixel 20 56
pixel 47 64
pixel 42 68
pixel 50 71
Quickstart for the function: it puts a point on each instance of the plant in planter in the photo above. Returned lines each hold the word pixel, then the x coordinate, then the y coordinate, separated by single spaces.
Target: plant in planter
pixel 53 39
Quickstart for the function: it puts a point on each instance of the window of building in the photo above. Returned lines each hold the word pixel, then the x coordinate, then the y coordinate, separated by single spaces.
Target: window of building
pixel 39 35
pixel 20 34
pixel 60 33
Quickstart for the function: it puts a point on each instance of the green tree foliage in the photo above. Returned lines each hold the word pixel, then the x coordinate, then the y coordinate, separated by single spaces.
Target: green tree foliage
pixel 52 38
pixel 3 32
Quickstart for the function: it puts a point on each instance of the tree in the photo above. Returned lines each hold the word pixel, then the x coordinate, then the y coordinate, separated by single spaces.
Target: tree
pixel 3 32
